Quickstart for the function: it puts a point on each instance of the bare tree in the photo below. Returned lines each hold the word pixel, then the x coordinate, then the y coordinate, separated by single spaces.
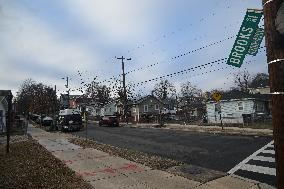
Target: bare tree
pixel 37 98
pixel 243 80
pixel 164 89
pixel 260 80
pixel 189 90
pixel 98 93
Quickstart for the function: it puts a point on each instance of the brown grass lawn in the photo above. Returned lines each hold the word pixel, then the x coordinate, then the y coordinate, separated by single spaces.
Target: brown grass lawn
pixel 29 165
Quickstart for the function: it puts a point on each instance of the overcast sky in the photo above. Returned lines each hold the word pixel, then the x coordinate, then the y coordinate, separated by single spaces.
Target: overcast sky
pixel 49 39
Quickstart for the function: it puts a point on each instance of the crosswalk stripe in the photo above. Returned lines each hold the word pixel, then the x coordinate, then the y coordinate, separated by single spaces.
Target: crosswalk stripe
pixel 268 151
pixel 259 169
pixel 262 158
pixel 234 169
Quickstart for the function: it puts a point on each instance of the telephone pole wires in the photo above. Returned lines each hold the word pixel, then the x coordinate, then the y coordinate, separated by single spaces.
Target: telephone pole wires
pixel 275 58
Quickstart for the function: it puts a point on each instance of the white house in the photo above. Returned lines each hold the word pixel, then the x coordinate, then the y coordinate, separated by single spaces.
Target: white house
pixel 3 110
pixel 237 108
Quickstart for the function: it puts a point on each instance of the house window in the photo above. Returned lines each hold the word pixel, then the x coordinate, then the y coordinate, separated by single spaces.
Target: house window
pixel 240 105
pixel 109 109
pixel 145 108
pixel 157 107
pixel 134 109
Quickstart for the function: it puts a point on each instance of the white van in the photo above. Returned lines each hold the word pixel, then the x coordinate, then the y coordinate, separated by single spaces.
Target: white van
pixel 69 120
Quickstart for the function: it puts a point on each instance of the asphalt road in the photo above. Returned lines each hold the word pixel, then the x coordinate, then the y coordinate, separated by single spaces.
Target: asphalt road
pixel 217 152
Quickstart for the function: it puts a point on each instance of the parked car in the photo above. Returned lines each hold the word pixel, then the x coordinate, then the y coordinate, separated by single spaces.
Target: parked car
pixel 109 121
pixel 70 120
pixel 47 121
pixel 38 120
pixel 34 116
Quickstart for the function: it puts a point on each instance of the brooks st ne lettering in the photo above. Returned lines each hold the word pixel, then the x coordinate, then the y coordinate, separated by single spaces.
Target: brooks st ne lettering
pixel 244 38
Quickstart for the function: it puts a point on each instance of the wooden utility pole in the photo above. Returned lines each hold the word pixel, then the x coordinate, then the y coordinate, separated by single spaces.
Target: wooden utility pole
pixel 124 87
pixel 275 54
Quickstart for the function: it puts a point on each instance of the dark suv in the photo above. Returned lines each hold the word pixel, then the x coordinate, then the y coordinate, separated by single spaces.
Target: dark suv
pixel 109 120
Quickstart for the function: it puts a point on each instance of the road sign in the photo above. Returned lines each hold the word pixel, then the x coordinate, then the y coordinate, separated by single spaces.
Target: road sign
pixel 244 37
pixel 257 39
pixel 217 96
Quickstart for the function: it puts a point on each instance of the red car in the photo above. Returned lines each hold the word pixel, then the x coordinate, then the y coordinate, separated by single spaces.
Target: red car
pixel 109 121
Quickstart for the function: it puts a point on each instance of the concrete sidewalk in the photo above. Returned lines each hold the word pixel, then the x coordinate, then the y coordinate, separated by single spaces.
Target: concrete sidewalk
pixel 103 171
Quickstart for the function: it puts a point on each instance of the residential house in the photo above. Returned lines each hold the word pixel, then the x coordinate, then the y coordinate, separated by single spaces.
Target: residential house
pixel 191 109
pixel 73 102
pixel 170 105
pixel 3 110
pixel 112 108
pixel 147 109
pixel 94 109
pixel 238 107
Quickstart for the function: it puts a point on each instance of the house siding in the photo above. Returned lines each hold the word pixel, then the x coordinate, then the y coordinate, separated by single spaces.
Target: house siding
pixel 230 111
pixel 110 109
pixel 3 118
pixel 151 102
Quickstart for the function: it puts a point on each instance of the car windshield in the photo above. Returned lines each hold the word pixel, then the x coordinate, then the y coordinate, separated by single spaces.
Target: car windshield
pixel 73 117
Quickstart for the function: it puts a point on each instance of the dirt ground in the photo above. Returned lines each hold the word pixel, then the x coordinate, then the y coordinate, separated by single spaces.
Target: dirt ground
pixel 29 165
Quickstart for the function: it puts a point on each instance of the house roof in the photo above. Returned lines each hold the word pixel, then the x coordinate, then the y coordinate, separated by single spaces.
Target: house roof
pixel 240 95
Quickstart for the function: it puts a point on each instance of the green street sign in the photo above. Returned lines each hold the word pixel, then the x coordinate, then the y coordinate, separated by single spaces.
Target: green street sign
pixel 244 37
pixel 256 41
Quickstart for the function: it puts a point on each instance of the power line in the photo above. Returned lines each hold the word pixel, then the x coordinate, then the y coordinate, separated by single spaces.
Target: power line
pixel 109 80
pixel 219 61
pixel 222 60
